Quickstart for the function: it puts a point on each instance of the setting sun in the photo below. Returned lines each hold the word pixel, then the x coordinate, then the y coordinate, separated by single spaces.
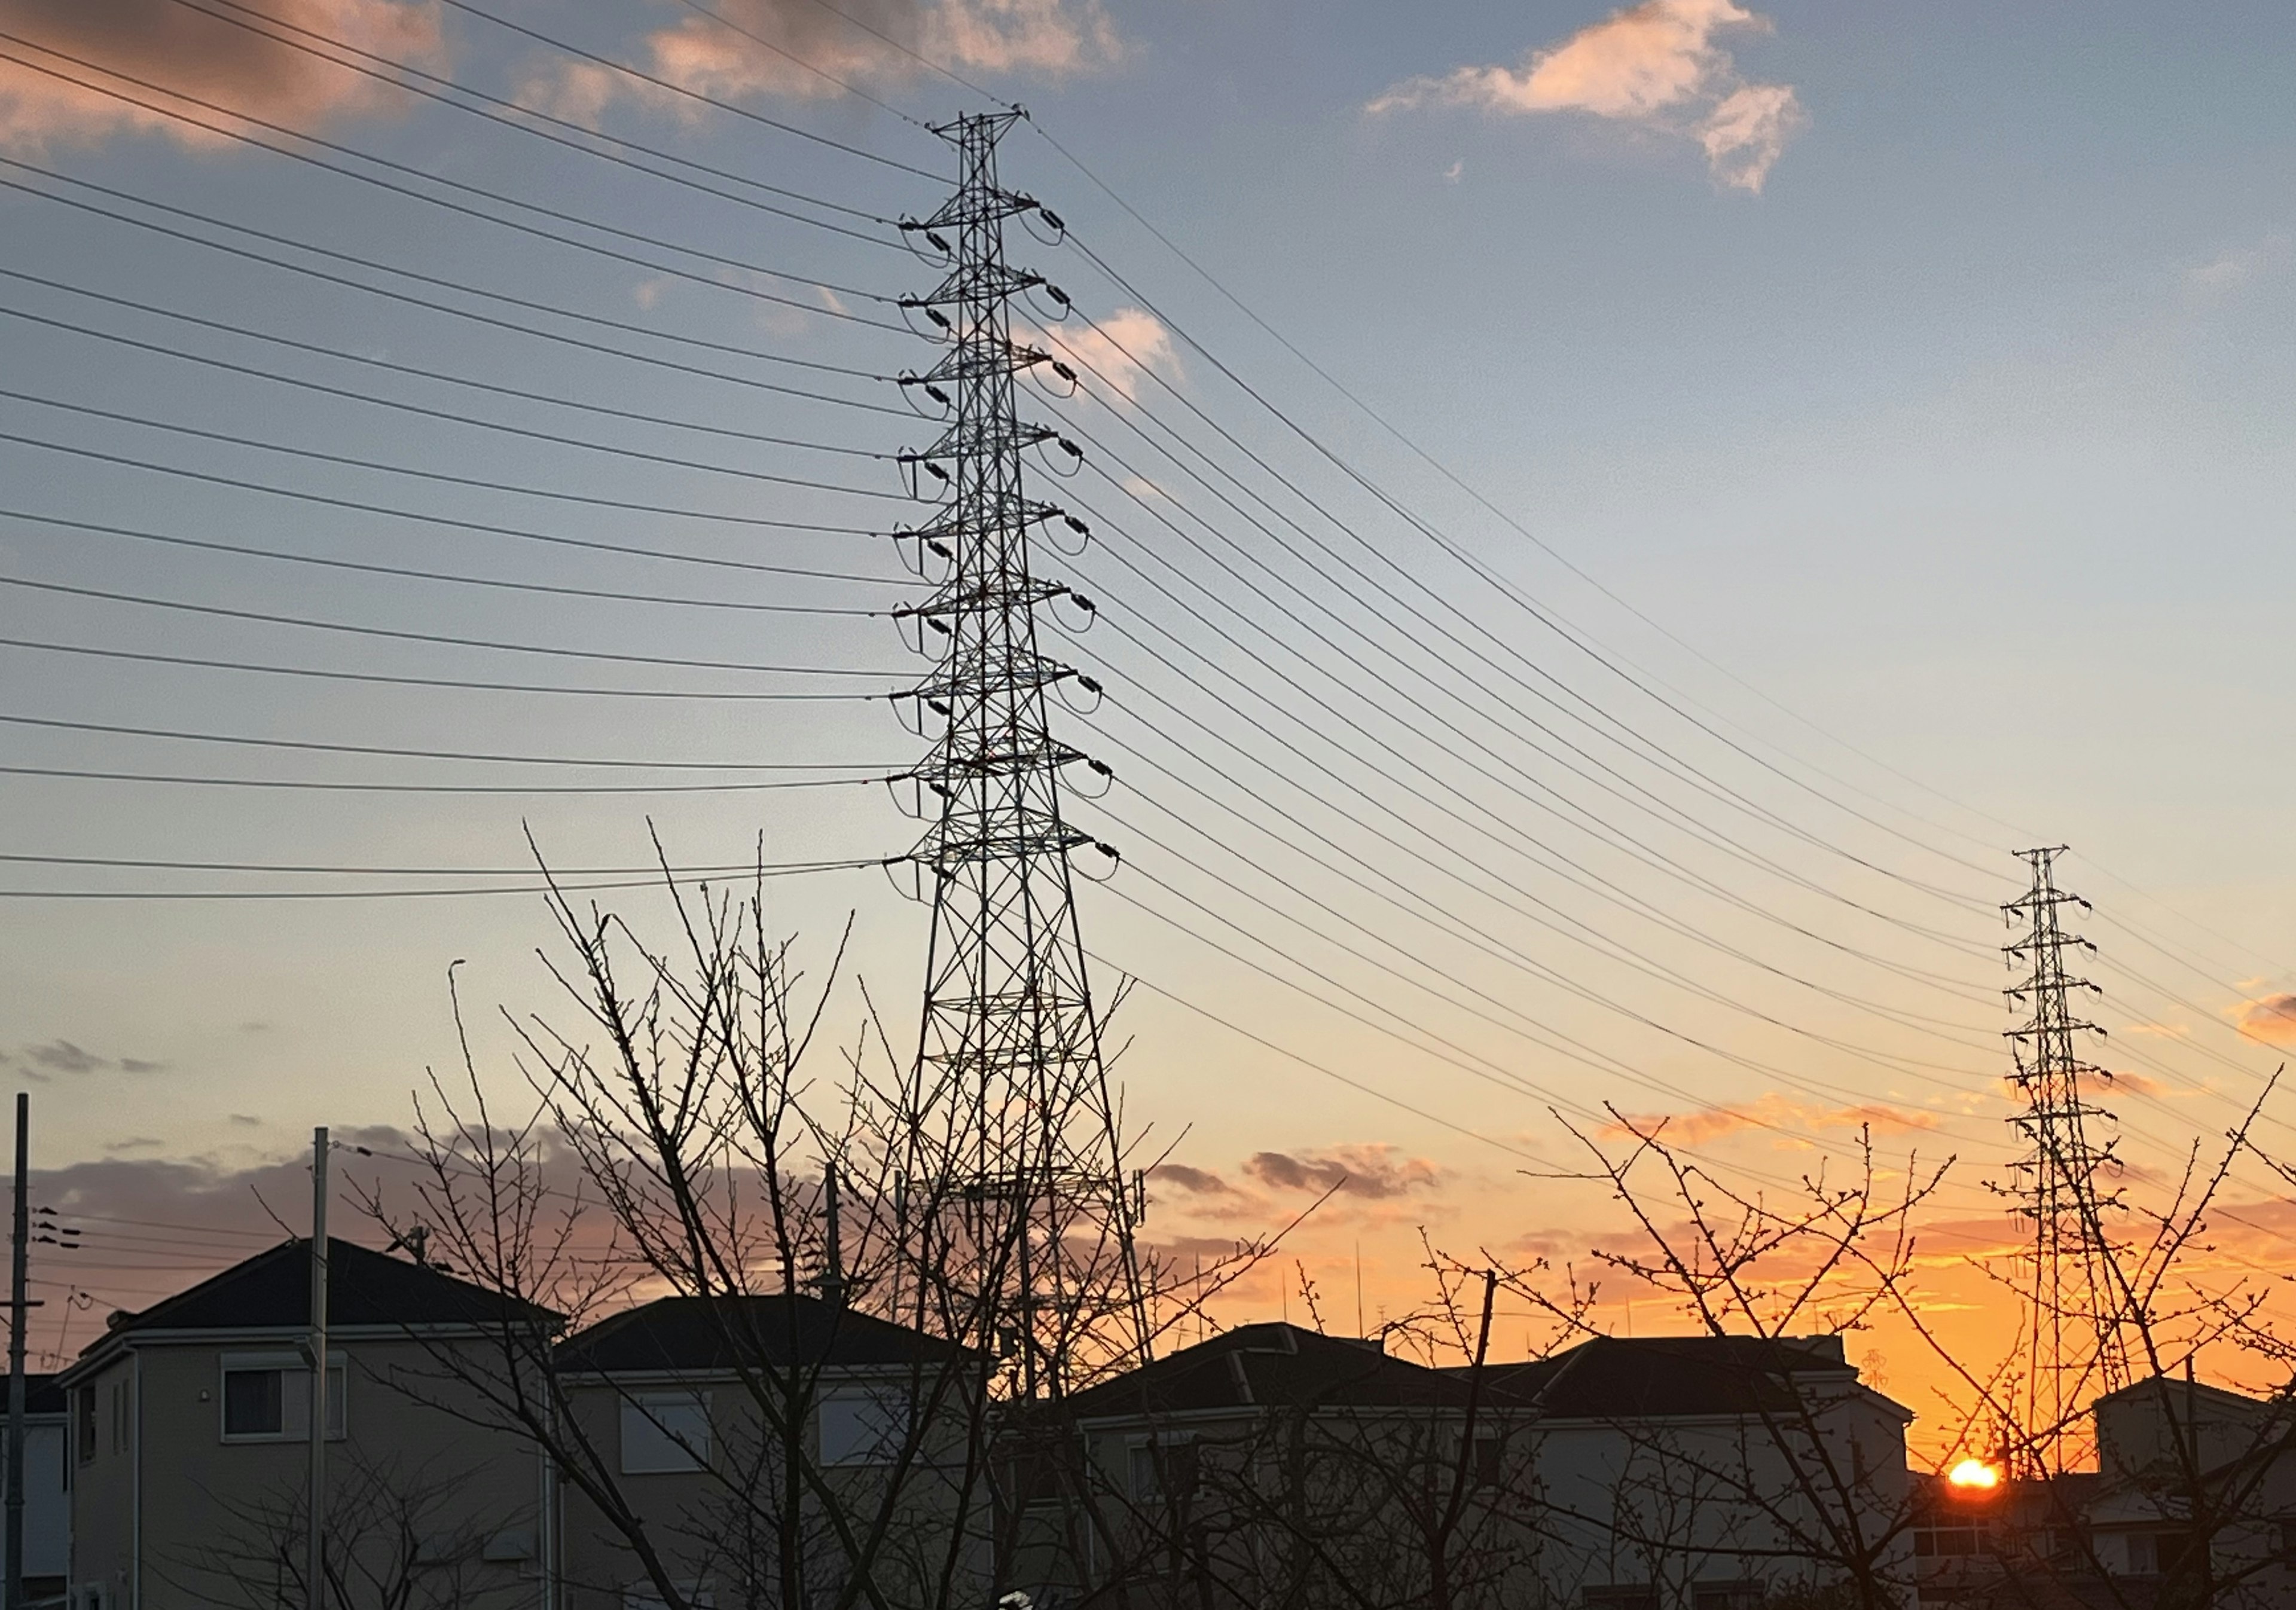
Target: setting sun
pixel 1974 1476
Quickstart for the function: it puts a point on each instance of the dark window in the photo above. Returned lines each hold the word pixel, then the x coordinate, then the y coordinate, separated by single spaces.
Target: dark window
pixel 254 1402
pixel 1622 1596
pixel 84 1402
pixel 1490 1460
pixel 1726 1596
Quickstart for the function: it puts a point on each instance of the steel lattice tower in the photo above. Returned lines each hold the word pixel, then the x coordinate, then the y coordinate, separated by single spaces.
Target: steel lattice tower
pixel 2073 1348
pixel 1010 1038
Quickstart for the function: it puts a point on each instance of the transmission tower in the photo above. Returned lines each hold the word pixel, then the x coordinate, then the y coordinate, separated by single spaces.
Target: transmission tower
pixel 1010 1040
pixel 2073 1348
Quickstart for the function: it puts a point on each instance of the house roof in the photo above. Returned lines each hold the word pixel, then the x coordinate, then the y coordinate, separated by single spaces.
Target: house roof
pixel 1275 1364
pixel 365 1289
pixel 703 1335
pixel 1605 1379
pixel 1643 1378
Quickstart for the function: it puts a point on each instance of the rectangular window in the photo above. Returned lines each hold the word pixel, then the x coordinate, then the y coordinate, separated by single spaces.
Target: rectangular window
pixel 120 1405
pixel 267 1398
pixel 1168 1470
pixel 254 1402
pixel 861 1427
pixel 665 1432
pixel 83 1415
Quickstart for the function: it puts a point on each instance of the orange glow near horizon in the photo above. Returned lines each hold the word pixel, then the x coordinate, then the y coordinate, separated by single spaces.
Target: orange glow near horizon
pixel 1974 1477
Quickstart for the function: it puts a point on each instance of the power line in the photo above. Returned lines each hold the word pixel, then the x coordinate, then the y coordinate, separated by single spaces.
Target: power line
pixel 59 724
pixel 503 298
pixel 477 483
pixel 553 589
pixel 330 674
pixel 268 617
pixel 827 308
pixel 691 94
pixel 332 787
pixel 527 116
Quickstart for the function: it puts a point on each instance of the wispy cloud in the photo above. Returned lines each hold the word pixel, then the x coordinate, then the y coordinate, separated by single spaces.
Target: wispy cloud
pixel 184 49
pixel 1378 1171
pixel 2235 266
pixel 1118 351
pixel 1772 1110
pixel 801 50
pixel 1658 65
pixel 2271 1018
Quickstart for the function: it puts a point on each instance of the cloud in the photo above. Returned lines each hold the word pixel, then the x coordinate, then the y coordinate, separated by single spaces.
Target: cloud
pixel 183 49
pixel 2271 1019
pixel 1455 171
pixel 247 1120
pixel 802 50
pixel 1772 1110
pixel 1195 1181
pixel 1119 351
pixel 1656 65
pixel 63 1057
pixel 1378 1171
pixel 2235 266
pixel 137 1065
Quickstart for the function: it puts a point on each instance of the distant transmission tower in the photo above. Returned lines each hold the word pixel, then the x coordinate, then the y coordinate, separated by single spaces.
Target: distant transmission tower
pixel 2073 1349
pixel 1010 1040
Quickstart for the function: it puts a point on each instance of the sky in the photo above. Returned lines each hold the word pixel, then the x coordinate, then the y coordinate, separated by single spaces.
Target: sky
pixel 1843 445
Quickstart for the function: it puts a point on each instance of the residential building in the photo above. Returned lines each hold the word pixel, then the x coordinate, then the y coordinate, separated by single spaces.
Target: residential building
pixel 1703 1473
pixel 191 1427
pixel 47 1497
pixel 753 1446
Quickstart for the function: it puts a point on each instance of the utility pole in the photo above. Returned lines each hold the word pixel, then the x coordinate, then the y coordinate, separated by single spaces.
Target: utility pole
pixel 1010 1036
pixel 833 1274
pixel 2073 1349
pixel 19 1256
pixel 316 1567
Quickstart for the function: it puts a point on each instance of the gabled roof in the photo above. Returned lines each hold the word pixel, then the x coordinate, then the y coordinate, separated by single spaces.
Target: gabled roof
pixel 1606 1379
pixel 1257 1366
pixel 365 1290
pixel 1657 1377
pixel 706 1335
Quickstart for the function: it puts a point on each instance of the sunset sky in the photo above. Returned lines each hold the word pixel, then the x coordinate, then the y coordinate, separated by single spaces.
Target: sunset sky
pixel 1713 483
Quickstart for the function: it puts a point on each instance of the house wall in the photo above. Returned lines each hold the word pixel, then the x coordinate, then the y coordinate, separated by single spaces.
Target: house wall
pixel 1564 1515
pixel 215 1514
pixel 47 1500
pixel 1675 1503
pixel 711 1529
pixel 102 1487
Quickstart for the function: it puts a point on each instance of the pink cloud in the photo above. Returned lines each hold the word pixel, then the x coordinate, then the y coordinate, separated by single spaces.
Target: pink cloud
pixel 801 50
pixel 2271 1019
pixel 186 50
pixel 1118 351
pixel 1774 1110
pixel 1658 65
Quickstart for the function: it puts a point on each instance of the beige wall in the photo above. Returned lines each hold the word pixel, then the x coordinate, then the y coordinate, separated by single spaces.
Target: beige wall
pixel 206 1504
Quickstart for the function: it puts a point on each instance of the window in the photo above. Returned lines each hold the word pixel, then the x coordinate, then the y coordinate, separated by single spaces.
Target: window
pixel 1622 1596
pixel 1490 1467
pixel 861 1427
pixel 1170 1470
pixel 120 1415
pixel 665 1432
pixel 84 1416
pixel 1726 1596
pixel 267 1397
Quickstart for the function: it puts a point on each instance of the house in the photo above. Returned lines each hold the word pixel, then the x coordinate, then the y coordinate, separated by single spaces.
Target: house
pixel 190 1428
pixel 1625 1475
pixel 48 1499
pixel 775 1440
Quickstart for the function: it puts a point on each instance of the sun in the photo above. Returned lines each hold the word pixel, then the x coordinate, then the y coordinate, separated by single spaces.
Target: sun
pixel 1974 1476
